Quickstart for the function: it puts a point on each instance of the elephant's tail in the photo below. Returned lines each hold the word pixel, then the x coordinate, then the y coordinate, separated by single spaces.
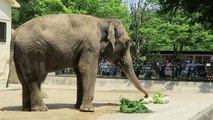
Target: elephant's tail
pixel 12 46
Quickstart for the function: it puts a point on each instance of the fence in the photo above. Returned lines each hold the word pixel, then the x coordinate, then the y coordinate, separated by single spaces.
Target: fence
pixel 152 71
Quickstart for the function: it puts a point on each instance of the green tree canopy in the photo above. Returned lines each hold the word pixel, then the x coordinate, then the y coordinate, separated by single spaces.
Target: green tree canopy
pixel 152 31
pixel 149 30
pixel 100 8
pixel 204 9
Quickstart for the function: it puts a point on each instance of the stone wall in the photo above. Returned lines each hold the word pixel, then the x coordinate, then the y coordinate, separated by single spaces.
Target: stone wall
pixel 5 16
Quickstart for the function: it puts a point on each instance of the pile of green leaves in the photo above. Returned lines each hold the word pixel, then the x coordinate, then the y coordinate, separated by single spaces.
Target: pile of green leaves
pixel 160 99
pixel 134 106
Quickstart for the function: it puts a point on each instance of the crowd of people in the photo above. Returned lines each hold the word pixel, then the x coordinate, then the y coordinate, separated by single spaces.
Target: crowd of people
pixel 187 70
pixel 107 68
pixel 165 69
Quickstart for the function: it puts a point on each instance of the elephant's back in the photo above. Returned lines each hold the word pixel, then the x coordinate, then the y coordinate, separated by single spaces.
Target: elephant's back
pixel 44 21
pixel 55 21
pixel 57 27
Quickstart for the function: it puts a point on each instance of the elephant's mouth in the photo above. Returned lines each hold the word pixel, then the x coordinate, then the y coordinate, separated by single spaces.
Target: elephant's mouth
pixel 119 62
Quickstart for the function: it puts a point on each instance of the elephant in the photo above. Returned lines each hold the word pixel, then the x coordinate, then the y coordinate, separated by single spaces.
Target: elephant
pixel 57 41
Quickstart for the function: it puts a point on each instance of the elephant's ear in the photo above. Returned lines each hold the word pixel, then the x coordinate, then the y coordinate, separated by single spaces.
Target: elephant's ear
pixel 111 35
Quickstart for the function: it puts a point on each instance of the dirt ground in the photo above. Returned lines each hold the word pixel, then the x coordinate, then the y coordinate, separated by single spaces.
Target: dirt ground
pixel 61 99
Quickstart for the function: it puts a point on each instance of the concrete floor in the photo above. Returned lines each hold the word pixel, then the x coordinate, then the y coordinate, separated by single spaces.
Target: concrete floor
pixel 186 100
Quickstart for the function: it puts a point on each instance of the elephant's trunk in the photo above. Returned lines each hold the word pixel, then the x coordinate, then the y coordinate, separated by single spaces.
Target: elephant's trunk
pixel 127 68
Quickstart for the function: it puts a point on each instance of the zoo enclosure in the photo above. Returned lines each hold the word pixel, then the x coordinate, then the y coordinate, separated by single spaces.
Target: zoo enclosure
pixel 151 70
pixel 197 57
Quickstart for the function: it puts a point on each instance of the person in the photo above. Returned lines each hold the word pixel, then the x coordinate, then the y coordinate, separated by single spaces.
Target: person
pixel 210 74
pixel 147 70
pixel 211 62
pixel 178 68
pixel 104 66
pixel 115 70
pixel 136 67
pixel 168 69
pixel 189 68
pixel 199 71
pixel 161 67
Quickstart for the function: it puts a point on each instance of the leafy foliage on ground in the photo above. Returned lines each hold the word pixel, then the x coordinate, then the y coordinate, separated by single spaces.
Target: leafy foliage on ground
pixel 158 98
pixel 137 106
pixel 133 106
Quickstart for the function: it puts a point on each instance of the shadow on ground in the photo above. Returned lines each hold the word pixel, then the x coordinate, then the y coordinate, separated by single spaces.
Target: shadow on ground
pixel 58 106
pixel 206 87
pixel 165 85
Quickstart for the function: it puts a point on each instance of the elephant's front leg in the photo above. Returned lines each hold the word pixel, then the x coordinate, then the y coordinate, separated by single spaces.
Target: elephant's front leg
pixel 88 68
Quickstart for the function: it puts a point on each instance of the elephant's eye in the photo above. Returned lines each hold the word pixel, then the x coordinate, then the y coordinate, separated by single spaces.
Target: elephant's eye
pixel 119 45
pixel 127 44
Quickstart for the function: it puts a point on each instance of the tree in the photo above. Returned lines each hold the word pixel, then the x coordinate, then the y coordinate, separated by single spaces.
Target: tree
pixel 203 9
pixel 100 8
pixel 175 33
pixel 139 12
pixel 202 38
pixel 152 31
pixel 152 36
pixel 33 8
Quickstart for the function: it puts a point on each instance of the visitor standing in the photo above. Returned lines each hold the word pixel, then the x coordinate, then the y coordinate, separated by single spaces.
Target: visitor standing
pixel 168 69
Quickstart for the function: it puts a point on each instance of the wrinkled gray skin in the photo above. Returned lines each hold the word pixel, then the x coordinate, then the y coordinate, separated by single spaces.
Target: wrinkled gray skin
pixel 54 42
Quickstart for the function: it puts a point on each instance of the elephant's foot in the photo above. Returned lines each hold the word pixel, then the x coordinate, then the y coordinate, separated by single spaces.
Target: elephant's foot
pixel 84 108
pixel 87 108
pixel 86 105
pixel 26 109
pixel 39 108
pixel 78 103
pixel 77 106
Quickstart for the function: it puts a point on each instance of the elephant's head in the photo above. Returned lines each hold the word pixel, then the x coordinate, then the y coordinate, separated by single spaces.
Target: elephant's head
pixel 116 48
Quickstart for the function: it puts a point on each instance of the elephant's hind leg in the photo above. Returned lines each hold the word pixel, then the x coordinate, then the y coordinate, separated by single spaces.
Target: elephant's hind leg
pixel 26 99
pixel 26 105
pixel 34 74
pixel 37 103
